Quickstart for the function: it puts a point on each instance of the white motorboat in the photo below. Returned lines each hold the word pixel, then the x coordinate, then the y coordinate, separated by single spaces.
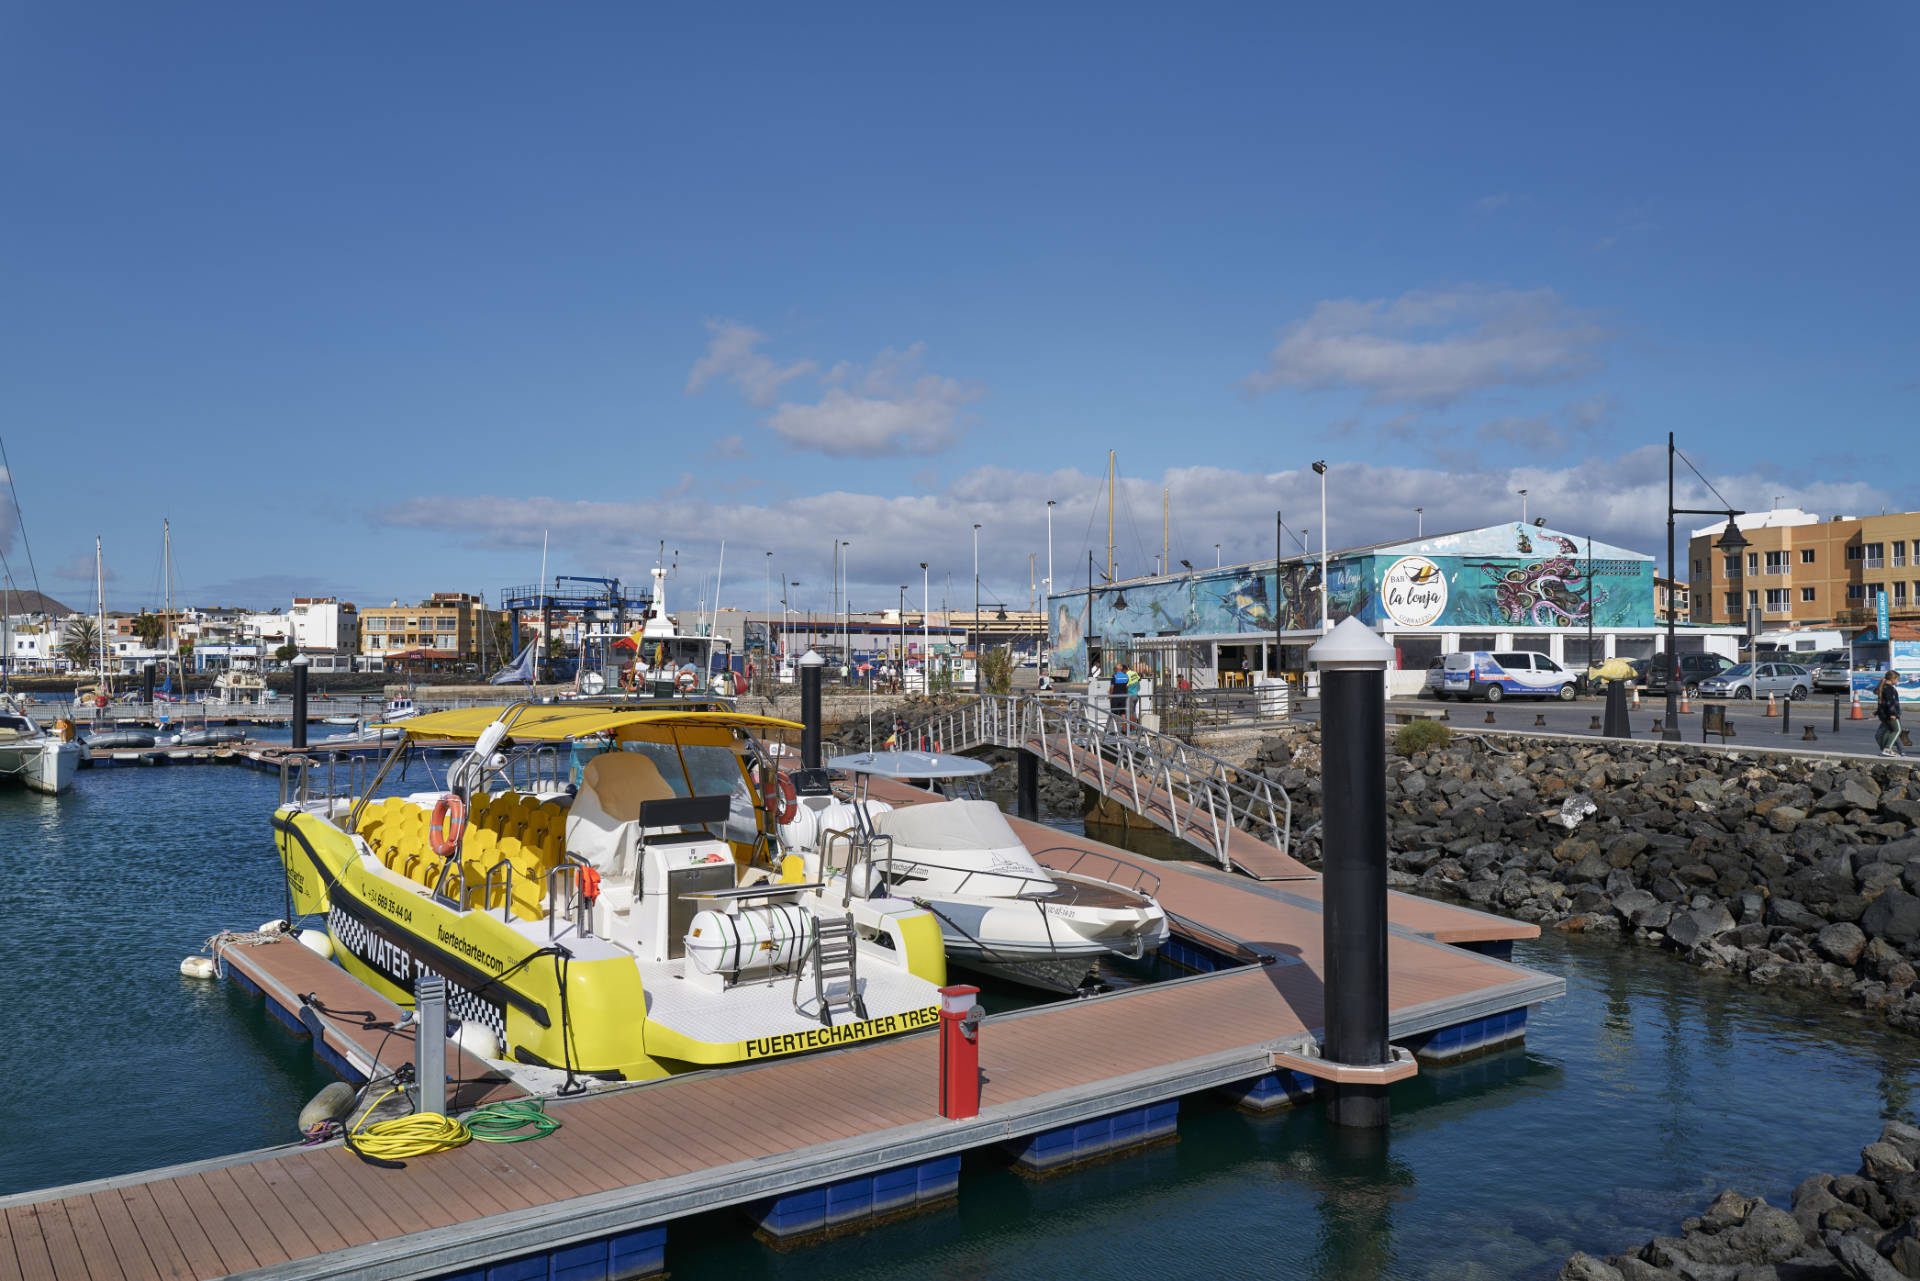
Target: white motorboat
pixel 29 754
pixel 1000 911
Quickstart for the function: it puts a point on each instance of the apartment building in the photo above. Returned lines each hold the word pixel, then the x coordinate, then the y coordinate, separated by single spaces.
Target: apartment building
pixel 446 626
pixel 1669 600
pixel 1800 570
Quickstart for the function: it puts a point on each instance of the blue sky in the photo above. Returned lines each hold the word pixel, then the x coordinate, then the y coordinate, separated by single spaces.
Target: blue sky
pixel 366 297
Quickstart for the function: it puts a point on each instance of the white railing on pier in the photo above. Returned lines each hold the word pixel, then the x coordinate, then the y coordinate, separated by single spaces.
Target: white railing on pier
pixel 1188 792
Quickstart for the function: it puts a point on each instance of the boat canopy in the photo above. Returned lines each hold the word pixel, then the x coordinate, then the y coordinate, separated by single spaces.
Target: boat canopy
pixel 555 724
pixel 910 765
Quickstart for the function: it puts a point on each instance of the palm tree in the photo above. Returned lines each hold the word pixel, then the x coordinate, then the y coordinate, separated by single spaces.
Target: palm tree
pixel 149 628
pixel 80 643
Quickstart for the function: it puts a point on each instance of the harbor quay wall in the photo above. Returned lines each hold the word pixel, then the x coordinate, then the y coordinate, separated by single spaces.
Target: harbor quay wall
pixel 1793 870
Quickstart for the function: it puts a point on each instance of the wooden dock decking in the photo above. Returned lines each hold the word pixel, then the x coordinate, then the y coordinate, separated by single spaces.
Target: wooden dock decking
pixel 652 1153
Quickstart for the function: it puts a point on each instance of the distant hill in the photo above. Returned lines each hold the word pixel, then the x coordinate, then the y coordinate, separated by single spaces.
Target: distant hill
pixel 26 602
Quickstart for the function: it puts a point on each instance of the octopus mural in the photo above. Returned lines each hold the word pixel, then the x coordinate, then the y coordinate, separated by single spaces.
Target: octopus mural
pixel 1546 593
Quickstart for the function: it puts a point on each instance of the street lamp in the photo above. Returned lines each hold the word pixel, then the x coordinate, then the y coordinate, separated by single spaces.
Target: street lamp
pixel 1731 542
pixel 974 630
pixel 926 630
pixel 1321 468
pixel 1046 659
pixel 1419 522
pixel 1523 506
pixel 1216 555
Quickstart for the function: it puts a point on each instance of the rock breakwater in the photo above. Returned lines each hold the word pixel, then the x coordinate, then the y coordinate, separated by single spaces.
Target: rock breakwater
pixel 1787 870
pixel 1844 1227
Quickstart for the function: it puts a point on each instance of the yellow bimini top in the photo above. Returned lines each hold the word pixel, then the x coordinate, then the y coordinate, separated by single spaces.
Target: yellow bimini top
pixel 548 723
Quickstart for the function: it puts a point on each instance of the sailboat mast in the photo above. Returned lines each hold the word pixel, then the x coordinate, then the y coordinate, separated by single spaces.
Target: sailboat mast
pixel 100 606
pixel 1109 515
pixel 166 565
pixel 1166 527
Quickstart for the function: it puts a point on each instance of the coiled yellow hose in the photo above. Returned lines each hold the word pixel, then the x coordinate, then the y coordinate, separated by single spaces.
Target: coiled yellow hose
pixel 421 1134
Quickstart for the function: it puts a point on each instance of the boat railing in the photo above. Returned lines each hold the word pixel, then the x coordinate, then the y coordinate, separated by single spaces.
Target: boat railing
pixel 503 865
pixel 1140 882
pixel 861 847
pixel 579 907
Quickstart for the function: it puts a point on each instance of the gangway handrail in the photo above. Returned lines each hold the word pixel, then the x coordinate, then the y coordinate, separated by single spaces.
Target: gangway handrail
pixel 1205 796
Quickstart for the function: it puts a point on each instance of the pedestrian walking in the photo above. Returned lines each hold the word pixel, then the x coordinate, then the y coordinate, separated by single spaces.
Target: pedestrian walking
pixel 1886 710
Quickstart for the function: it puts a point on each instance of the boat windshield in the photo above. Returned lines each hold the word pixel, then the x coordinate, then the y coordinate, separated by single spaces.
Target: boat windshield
pixel 707 770
pixel 15 725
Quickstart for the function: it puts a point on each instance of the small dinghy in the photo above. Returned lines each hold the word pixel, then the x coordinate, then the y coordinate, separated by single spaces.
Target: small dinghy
pixel 115 740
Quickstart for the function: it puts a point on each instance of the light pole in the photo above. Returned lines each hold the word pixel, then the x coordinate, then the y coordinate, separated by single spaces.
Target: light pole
pixel 926 631
pixel 1523 506
pixel 975 628
pixel 766 656
pixel 1216 555
pixel 846 613
pixel 1731 542
pixel 1419 522
pixel 1046 659
pixel 1321 467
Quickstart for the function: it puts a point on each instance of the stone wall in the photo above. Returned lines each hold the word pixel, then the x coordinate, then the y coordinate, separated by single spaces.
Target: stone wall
pixel 1787 870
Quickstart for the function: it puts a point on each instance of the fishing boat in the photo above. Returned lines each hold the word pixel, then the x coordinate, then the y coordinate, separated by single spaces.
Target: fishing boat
pixel 235 686
pixel 31 754
pixel 1000 911
pixel 399 708
pixel 603 888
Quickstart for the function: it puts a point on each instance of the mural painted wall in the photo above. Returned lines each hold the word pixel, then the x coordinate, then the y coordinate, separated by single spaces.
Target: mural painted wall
pixel 1498 578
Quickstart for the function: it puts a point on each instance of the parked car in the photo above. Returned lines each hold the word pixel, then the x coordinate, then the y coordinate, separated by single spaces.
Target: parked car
pixel 1436 682
pixel 1694 669
pixel 1832 672
pixel 1494 675
pixel 1743 681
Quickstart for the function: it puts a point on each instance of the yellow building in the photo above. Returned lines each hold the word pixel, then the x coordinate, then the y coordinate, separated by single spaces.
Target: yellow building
pixel 450 626
pixel 1802 571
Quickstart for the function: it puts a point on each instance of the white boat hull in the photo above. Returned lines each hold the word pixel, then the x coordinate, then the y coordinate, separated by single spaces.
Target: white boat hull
pixel 43 764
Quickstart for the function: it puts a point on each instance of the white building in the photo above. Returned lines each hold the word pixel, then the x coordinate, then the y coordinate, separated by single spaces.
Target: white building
pixel 324 624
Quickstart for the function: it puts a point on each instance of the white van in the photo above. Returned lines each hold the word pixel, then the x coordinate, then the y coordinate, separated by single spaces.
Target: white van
pixel 1795 644
pixel 1493 675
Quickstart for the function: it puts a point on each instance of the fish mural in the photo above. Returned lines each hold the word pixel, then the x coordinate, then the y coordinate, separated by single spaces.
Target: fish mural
pixel 1546 593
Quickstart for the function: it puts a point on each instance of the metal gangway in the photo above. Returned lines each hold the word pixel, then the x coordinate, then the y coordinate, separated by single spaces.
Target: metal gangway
pixel 1236 815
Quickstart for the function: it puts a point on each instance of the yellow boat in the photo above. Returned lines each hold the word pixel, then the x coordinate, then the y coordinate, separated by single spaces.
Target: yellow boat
pixel 618 903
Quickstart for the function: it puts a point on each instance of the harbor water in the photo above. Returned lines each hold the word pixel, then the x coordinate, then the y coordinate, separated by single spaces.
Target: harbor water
pixel 1635 1098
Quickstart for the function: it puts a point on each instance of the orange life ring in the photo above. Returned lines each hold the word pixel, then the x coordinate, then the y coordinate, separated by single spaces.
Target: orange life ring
pixel 688 679
pixel 776 789
pixel 448 826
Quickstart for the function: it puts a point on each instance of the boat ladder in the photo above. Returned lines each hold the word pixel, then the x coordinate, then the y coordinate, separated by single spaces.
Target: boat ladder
pixel 834 952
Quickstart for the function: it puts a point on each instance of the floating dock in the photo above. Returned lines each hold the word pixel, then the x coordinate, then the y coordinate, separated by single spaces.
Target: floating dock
pixel 824 1142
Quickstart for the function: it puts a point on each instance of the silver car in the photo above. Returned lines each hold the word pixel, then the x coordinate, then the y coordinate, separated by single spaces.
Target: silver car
pixel 1749 680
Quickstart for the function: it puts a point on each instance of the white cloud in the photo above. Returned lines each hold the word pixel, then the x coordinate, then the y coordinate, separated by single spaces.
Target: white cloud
pixel 891 408
pixel 1433 348
pixel 731 354
pixel 731 448
pixel 1488 204
pixel 1618 499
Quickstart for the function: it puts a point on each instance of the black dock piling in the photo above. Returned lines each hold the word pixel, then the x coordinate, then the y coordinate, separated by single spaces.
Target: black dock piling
pixel 811 666
pixel 1026 792
pixel 1351 659
pixel 146 683
pixel 1619 725
pixel 299 664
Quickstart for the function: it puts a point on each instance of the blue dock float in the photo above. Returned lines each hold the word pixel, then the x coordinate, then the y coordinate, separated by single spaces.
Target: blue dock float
pixel 854 1204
